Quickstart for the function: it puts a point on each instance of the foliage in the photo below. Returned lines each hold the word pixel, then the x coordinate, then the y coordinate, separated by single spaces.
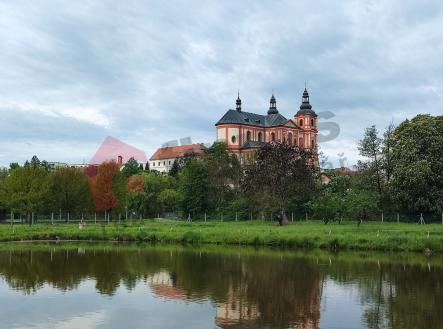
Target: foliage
pixel 279 171
pixel 108 187
pixel 70 190
pixel 131 168
pixel 26 189
pixel 417 155
pixel 193 187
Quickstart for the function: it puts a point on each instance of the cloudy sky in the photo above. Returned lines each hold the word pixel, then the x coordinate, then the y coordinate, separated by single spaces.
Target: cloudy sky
pixel 146 72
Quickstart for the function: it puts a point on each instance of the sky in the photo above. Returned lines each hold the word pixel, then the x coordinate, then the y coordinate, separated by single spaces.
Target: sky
pixel 147 72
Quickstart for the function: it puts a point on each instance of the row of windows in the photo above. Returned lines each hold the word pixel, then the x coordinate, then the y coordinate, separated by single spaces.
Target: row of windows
pixel 159 163
pixel 272 138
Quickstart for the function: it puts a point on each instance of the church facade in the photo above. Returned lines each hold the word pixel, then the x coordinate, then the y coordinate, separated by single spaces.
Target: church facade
pixel 243 132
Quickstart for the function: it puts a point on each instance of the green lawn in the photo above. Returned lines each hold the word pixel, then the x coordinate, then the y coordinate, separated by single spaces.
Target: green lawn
pixel 306 234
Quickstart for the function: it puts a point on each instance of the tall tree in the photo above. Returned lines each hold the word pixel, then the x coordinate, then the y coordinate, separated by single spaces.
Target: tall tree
pixel 387 149
pixel 193 187
pixel 279 171
pixel 224 172
pixel 70 190
pixel 417 176
pixel 370 147
pixel 26 190
pixel 108 187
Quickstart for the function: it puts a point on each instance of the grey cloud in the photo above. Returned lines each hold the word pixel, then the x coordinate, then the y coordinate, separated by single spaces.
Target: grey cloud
pixel 158 71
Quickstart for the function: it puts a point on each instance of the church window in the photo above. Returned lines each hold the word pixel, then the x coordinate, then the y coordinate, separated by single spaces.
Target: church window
pixel 259 136
pixel 248 136
pixel 233 139
pixel 290 138
pixel 272 137
pixel 301 122
pixel 312 122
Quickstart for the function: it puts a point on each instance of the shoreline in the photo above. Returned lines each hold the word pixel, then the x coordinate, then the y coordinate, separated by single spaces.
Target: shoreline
pixel 306 235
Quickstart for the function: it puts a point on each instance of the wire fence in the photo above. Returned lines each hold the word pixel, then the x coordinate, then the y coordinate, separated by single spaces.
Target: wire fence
pixel 61 217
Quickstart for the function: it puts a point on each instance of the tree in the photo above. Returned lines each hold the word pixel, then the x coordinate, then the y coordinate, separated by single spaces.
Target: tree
pixel 224 172
pixel 70 190
pixel 279 171
pixel 169 199
pixel 193 187
pixel 13 165
pixel 417 172
pixel 387 148
pixel 370 146
pixel 26 190
pixel 147 166
pixel 131 168
pixel 175 169
pixel 108 187
pixel 35 162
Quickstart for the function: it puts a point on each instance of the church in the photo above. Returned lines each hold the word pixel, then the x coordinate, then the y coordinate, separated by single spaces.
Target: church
pixel 243 132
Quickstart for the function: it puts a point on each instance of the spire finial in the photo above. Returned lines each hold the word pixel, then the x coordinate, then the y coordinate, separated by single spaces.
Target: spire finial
pixel 272 104
pixel 238 101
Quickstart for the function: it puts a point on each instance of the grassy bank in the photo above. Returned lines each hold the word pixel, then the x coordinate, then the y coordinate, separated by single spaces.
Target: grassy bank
pixel 310 234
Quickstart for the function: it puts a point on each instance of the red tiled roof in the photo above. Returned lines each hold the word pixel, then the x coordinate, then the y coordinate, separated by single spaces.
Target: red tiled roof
pixel 178 151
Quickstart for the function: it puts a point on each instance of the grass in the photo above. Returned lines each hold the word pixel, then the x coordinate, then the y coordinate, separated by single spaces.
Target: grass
pixel 307 234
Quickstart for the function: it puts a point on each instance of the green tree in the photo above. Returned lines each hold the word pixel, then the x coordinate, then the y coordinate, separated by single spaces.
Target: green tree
pixel 193 187
pixel 26 190
pixel 175 169
pixel 279 171
pixel 370 147
pixel 417 173
pixel 13 165
pixel 224 173
pixel 131 168
pixel 169 199
pixel 70 190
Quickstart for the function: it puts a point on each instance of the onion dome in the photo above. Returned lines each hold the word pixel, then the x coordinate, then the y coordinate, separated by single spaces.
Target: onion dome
pixel 305 107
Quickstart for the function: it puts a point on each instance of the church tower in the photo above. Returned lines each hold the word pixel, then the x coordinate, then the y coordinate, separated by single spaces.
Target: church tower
pixel 306 119
pixel 272 105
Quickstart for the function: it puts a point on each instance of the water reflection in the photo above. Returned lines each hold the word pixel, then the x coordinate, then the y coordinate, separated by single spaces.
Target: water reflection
pixel 235 289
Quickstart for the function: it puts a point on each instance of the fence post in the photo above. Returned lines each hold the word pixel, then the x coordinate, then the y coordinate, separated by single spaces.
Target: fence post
pixel 292 216
pixel 32 218
pixel 108 218
pixel 442 218
pixel 52 218
pixel 398 218
pixel 306 214
pixel 12 218
pixel 236 217
pixel 222 217
pixel 382 216
pixel 60 215
pixel 68 217
pixel 95 218
pixel 205 217
pixel 126 208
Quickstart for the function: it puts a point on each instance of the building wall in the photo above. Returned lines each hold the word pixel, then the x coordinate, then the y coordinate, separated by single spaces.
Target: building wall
pixel 163 165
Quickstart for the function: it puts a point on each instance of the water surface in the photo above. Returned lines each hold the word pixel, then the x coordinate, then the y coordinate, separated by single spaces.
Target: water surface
pixel 131 286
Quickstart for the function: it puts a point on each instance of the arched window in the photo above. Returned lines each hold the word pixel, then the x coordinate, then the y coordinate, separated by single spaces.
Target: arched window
pixel 233 139
pixel 312 144
pixel 300 142
pixel 290 138
pixel 248 136
pixel 259 137
pixel 272 137
pixel 301 122
pixel 312 122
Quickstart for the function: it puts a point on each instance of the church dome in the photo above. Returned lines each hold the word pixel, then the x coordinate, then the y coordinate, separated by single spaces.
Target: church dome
pixel 305 107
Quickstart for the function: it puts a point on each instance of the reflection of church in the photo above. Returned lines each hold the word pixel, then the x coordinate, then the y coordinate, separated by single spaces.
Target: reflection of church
pixel 238 311
pixel 244 131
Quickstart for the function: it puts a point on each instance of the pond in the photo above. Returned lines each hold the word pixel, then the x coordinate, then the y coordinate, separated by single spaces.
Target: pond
pixel 70 285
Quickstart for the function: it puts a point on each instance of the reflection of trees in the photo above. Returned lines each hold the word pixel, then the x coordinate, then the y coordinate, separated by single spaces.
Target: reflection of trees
pixel 395 296
pixel 248 290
